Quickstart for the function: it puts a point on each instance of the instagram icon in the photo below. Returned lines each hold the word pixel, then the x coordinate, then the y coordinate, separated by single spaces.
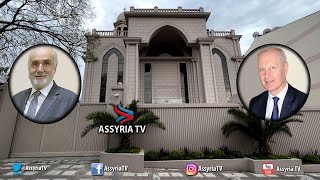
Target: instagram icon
pixel 191 169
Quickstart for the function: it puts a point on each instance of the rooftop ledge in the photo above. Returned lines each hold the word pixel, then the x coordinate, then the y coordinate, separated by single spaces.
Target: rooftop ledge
pixel 115 33
pixel 156 12
pixel 156 9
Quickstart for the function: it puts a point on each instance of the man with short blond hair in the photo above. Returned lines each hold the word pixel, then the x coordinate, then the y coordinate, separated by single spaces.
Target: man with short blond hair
pixel 281 100
pixel 45 102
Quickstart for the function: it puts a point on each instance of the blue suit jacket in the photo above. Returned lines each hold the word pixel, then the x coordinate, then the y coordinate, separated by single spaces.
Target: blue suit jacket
pixel 56 106
pixel 293 102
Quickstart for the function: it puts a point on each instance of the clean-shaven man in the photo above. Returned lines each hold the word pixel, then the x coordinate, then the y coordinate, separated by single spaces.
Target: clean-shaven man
pixel 45 102
pixel 281 100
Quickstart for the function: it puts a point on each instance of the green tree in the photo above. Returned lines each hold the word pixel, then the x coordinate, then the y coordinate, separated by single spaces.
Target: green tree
pixel 259 130
pixel 141 117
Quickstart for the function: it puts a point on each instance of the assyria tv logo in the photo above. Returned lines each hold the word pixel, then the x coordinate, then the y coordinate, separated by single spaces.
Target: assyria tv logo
pixel 125 115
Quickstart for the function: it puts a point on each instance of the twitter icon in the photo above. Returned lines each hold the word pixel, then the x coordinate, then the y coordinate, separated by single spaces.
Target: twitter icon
pixel 16 169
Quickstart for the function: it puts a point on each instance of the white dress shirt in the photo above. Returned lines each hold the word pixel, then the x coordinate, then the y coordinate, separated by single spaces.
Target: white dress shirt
pixel 270 102
pixel 43 94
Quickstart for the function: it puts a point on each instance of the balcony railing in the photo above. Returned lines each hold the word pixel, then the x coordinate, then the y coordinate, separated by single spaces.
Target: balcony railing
pixel 219 33
pixel 104 33
pixel 179 9
pixel 109 33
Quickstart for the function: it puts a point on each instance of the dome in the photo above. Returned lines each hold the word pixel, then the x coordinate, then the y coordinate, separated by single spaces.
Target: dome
pixel 121 17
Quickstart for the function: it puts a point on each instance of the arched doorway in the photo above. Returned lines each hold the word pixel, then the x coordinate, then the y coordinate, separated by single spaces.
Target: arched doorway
pixel 164 67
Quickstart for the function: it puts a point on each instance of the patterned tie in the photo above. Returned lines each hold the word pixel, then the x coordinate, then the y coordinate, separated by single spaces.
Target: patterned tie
pixel 33 105
pixel 275 111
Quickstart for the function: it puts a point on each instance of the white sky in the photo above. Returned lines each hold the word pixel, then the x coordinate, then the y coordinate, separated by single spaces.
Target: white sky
pixel 243 16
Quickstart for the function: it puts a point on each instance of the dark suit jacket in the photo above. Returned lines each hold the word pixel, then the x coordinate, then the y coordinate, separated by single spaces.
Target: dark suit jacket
pixel 293 102
pixel 56 105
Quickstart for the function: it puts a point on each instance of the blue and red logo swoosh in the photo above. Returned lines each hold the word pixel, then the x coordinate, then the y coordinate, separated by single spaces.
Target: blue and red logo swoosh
pixel 125 114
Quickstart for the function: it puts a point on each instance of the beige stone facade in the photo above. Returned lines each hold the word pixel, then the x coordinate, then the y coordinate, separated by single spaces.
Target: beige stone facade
pixel 189 62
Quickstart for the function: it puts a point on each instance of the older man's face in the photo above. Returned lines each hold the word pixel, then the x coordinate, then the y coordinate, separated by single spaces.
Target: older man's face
pixel 41 67
pixel 272 71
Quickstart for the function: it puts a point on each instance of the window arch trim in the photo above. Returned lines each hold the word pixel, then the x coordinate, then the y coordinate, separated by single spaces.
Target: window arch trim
pixel 225 71
pixel 104 71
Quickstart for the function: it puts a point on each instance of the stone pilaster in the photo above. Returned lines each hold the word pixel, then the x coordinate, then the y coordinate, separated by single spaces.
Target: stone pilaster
pixel 131 78
pixel 208 72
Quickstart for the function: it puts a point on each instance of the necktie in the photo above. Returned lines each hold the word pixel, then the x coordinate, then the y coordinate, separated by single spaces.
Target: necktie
pixel 33 105
pixel 275 111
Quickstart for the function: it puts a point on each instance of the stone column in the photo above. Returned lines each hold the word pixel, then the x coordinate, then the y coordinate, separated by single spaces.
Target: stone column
pixel 204 84
pixel 195 80
pixel 131 78
pixel 236 46
pixel 237 56
pixel 207 68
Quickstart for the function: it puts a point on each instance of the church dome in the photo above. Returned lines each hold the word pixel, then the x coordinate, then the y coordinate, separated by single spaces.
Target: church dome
pixel 121 17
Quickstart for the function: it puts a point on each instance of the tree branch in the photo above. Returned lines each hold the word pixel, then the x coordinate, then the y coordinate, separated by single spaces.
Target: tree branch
pixel 14 17
pixel 4 3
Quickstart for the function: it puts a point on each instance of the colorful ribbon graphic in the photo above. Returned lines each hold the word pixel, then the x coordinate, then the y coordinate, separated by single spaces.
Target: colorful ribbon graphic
pixel 125 114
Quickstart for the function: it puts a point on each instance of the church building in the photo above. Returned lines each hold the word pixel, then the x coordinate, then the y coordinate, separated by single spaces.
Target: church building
pixel 161 56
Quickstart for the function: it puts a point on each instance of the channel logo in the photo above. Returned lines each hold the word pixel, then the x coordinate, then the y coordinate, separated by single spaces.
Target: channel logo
pixel 16 169
pixel 191 169
pixel 267 168
pixel 97 169
pixel 125 115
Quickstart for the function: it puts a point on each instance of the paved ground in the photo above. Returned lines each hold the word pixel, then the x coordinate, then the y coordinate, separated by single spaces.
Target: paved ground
pixel 67 168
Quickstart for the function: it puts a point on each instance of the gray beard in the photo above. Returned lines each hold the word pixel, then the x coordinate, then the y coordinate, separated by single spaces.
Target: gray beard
pixel 40 85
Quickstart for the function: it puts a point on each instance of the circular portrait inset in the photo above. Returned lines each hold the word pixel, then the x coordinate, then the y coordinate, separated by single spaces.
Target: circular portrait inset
pixel 273 82
pixel 44 84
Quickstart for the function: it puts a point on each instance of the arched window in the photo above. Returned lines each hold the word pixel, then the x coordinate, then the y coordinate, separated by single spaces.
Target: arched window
pixel 224 71
pixel 104 71
pixel 125 31
pixel 119 31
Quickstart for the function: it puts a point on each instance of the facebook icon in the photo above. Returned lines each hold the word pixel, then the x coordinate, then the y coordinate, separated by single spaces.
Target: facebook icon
pixel 97 169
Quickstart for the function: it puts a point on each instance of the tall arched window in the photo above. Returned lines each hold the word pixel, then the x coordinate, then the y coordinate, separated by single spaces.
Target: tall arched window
pixel 119 31
pixel 104 71
pixel 224 71
pixel 125 31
